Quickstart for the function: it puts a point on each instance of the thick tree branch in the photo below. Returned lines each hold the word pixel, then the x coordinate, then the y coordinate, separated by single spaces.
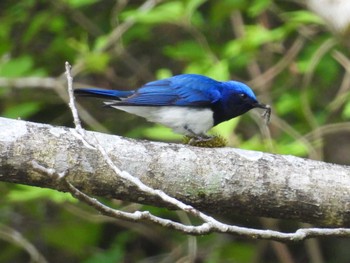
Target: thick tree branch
pixel 220 181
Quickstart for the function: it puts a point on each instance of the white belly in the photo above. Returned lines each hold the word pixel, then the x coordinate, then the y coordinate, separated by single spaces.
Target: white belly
pixel 183 120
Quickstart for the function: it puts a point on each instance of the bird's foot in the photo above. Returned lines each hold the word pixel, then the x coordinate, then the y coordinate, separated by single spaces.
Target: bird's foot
pixel 205 141
pixel 200 139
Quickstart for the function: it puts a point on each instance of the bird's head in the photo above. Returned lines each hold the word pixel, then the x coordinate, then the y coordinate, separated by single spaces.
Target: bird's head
pixel 236 99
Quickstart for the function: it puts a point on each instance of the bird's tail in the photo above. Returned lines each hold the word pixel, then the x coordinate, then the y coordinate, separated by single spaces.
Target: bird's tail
pixel 103 93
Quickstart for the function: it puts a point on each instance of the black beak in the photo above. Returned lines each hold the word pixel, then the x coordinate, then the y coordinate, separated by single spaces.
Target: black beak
pixel 262 106
pixel 267 108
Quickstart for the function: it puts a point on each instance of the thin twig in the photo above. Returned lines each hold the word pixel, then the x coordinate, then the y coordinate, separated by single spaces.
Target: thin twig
pixel 272 72
pixel 342 95
pixel 305 102
pixel 71 104
pixel 11 235
pixel 205 228
pixel 29 82
pixel 116 34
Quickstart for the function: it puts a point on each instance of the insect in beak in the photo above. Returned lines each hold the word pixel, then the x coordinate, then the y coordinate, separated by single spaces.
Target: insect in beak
pixel 267 113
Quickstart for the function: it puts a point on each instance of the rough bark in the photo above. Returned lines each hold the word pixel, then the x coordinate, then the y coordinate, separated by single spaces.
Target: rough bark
pixel 215 180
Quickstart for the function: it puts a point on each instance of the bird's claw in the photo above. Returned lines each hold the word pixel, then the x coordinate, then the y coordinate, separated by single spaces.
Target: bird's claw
pixel 200 139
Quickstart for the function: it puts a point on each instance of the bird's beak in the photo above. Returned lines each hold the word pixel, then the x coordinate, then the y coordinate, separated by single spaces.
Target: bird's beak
pixel 267 108
pixel 262 106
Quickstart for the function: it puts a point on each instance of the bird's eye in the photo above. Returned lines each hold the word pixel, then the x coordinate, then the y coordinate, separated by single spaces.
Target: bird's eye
pixel 243 96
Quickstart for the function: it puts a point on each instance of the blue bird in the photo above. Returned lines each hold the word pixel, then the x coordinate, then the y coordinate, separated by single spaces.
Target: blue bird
pixel 190 104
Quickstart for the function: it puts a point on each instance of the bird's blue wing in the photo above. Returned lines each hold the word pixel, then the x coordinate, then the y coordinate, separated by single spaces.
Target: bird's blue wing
pixel 182 90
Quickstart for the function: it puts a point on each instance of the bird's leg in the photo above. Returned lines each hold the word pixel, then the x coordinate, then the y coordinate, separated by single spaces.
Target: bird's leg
pixel 195 138
pixel 199 139
pixel 203 140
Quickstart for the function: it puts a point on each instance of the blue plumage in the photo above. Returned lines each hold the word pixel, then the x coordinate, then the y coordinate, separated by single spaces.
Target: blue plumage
pixel 104 93
pixel 190 104
pixel 182 90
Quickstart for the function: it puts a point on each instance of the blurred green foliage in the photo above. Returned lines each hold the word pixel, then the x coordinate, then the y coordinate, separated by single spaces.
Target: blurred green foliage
pixel 123 44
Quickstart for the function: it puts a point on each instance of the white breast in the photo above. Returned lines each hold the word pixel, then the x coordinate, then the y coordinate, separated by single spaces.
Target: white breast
pixel 183 120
